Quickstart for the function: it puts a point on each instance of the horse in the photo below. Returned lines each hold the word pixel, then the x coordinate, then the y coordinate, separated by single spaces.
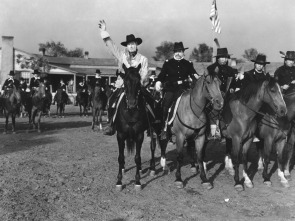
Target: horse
pixel 279 133
pixel 36 105
pixel 131 122
pixel 48 101
pixel 82 100
pixel 239 115
pixel 99 101
pixel 24 99
pixel 61 100
pixel 190 123
pixel 11 103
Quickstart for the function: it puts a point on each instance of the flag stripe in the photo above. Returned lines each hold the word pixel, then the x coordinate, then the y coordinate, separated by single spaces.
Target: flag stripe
pixel 214 18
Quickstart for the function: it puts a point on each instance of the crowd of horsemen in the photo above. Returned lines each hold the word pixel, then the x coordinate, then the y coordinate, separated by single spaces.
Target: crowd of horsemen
pixel 176 76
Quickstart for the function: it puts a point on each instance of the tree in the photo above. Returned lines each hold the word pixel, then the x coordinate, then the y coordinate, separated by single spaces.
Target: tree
pixel 202 54
pixel 250 54
pixel 57 49
pixel 164 51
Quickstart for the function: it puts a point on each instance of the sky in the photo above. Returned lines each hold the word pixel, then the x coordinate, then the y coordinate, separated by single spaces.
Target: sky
pixel 267 25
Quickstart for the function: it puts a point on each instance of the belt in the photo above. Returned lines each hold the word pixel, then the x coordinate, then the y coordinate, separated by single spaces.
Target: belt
pixel 179 82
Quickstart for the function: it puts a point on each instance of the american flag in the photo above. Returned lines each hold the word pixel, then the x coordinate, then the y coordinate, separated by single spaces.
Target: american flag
pixel 214 18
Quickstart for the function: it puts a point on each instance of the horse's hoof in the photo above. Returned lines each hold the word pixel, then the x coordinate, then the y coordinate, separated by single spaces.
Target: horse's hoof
pixel 231 171
pixel 207 185
pixel 152 173
pixel 249 184
pixel 287 176
pixel 137 187
pixel 239 187
pixel 267 183
pixel 119 188
pixel 285 184
pixel 179 184
pixel 193 170
pixel 4 132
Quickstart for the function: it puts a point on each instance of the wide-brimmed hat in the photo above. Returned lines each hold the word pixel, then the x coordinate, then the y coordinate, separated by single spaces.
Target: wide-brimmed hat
pixel 11 73
pixel 222 52
pixel 131 38
pixel 290 55
pixel 178 46
pixel 36 72
pixel 261 59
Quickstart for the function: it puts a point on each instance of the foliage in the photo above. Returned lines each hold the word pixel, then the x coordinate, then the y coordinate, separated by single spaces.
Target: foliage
pixel 164 51
pixel 57 49
pixel 33 63
pixel 250 54
pixel 202 54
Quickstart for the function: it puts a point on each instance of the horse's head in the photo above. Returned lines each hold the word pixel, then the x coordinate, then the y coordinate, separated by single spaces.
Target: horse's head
pixel 40 91
pixel 132 86
pixel 212 85
pixel 272 95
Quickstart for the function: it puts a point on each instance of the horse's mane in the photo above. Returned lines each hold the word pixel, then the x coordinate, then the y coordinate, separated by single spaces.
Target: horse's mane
pixel 251 90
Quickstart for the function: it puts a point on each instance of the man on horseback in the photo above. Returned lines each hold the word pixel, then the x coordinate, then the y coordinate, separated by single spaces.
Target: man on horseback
pixel 82 88
pixel 9 83
pixel 62 86
pixel 285 74
pixel 226 75
pixel 35 81
pixel 130 57
pixel 174 77
pixel 23 85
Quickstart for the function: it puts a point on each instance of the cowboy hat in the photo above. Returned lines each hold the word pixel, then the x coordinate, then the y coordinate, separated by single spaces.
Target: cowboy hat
pixel 131 38
pixel 178 46
pixel 11 73
pixel 260 59
pixel 222 52
pixel 290 55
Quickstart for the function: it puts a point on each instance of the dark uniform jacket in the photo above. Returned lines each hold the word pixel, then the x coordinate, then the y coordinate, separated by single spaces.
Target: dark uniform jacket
pixel 82 87
pixel 9 83
pixel 175 74
pixel 223 74
pixel 34 82
pixel 23 86
pixel 251 76
pixel 62 87
pixel 47 87
pixel 285 75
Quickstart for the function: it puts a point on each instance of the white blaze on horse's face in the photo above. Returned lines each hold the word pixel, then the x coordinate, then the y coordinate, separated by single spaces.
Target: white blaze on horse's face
pixel 289 63
pixel 222 60
pixel 132 46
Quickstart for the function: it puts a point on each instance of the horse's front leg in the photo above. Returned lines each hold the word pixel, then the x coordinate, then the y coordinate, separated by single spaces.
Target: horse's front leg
pixel 13 122
pixel 228 161
pixel 39 121
pixel 200 147
pixel 137 160
pixel 246 147
pixel 289 149
pixel 179 147
pixel 6 122
pixel 163 146
pixel 33 118
pixel 153 148
pixel 93 118
pixel 237 145
pixel 280 150
pixel 191 149
pixel 99 119
pixel 80 110
pixel 121 160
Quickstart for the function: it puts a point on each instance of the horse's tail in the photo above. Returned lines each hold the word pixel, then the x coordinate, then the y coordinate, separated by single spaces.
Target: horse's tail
pixel 130 140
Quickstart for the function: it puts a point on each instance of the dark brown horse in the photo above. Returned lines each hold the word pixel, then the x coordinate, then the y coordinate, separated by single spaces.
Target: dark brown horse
pixel 99 102
pixel 131 122
pixel 277 132
pixel 11 103
pixel 36 105
pixel 190 122
pixel 239 114
pixel 82 100
pixel 61 101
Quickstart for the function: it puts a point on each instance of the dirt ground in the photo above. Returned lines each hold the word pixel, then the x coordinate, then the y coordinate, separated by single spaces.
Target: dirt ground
pixel 68 172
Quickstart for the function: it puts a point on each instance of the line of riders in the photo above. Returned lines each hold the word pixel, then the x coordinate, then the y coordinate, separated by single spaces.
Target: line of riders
pixel 178 75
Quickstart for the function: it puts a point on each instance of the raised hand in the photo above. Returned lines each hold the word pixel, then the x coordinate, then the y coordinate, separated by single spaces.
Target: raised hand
pixel 102 25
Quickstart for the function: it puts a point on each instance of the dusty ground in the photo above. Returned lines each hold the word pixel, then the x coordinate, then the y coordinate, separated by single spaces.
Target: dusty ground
pixel 69 172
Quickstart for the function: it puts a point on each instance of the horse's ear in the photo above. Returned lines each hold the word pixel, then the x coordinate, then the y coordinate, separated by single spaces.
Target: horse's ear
pixel 138 67
pixel 124 68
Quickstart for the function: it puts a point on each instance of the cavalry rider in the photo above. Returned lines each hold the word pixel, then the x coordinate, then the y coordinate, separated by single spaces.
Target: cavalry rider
pixel 128 56
pixel 174 78
pixel 23 85
pixel 9 82
pixel 47 89
pixel 35 81
pixel 226 75
pixel 285 74
pixel 62 86
pixel 81 88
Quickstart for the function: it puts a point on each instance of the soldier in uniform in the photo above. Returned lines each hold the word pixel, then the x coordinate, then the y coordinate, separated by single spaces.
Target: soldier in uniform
pixel 285 74
pixel 128 56
pixel 23 85
pixel 35 81
pixel 226 74
pixel 62 86
pixel 174 78
pixel 9 82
